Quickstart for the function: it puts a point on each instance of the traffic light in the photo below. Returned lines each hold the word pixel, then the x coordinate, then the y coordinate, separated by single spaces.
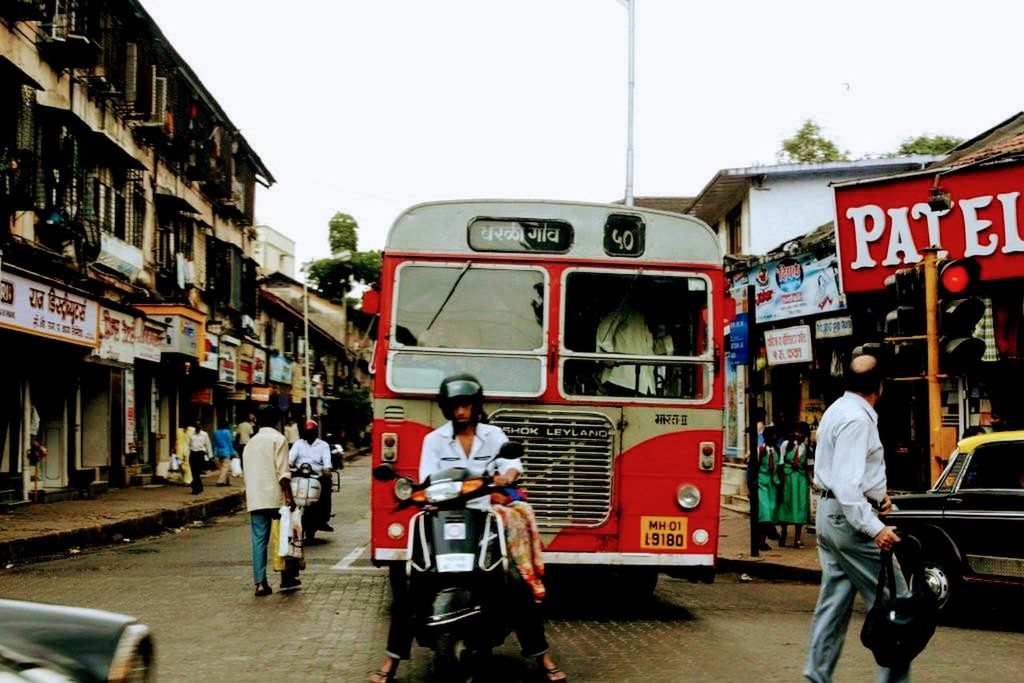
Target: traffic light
pixel 906 292
pixel 905 320
pixel 959 315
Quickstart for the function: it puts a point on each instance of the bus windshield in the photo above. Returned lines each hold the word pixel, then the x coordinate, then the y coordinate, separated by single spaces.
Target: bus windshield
pixel 636 334
pixel 492 315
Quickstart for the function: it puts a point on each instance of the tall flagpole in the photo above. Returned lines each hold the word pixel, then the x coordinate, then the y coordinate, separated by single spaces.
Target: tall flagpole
pixel 630 5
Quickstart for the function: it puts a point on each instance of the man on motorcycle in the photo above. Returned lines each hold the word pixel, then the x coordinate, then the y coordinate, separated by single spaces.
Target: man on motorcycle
pixel 311 450
pixel 465 441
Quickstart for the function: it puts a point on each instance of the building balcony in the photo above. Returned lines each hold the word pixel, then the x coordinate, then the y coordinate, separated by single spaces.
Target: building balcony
pixel 23 10
pixel 69 50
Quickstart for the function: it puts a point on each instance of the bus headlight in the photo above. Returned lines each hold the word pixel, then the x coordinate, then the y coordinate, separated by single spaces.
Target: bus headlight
pixel 396 530
pixel 701 537
pixel 688 496
pixel 403 488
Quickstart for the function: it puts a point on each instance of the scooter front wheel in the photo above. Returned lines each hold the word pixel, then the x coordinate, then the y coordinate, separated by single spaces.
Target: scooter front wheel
pixel 448 658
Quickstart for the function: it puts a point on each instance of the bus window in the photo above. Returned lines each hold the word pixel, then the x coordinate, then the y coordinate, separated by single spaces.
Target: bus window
pixel 476 307
pixel 485 320
pixel 636 334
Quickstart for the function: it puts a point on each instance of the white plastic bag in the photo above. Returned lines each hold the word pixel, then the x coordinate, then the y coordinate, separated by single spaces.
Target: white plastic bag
pixel 236 467
pixel 284 538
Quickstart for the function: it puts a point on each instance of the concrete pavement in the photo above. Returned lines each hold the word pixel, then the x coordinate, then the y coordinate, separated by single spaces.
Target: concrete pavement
pixel 51 529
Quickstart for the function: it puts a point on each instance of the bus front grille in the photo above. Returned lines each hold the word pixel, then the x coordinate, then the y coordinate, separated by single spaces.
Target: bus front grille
pixel 568 463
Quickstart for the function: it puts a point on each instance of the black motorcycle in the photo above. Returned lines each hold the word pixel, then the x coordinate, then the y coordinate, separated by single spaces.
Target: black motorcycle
pixel 457 566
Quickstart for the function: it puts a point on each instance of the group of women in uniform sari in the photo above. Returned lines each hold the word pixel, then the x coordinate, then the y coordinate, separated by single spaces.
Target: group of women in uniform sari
pixel 785 467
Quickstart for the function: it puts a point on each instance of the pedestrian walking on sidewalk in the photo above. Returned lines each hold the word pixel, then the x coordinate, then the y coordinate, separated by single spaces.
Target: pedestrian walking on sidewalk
pixel 850 469
pixel 199 450
pixel 794 499
pixel 223 451
pixel 268 487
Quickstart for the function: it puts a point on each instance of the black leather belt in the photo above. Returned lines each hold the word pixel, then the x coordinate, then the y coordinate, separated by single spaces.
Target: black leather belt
pixel 829 494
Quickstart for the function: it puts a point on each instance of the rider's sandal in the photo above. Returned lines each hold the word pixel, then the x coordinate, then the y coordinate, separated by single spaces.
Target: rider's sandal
pixel 385 676
pixel 554 674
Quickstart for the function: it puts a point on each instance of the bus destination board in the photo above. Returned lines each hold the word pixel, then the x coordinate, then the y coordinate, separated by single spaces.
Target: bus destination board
pixel 520 235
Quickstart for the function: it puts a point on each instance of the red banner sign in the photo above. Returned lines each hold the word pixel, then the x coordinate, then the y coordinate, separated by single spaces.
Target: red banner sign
pixel 882 226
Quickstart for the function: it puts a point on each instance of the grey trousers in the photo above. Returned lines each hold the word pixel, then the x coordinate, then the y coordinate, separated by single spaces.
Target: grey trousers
pixel 849 564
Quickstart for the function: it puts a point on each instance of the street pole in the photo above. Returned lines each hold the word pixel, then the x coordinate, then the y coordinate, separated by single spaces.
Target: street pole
pixel 753 393
pixel 305 324
pixel 630 6
pixel 931 307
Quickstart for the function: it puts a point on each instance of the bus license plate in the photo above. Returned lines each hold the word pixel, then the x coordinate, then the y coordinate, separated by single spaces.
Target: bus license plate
pixel 663 533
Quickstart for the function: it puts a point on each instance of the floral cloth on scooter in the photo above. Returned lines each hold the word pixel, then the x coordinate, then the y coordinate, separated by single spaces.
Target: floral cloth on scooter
pixel 522 539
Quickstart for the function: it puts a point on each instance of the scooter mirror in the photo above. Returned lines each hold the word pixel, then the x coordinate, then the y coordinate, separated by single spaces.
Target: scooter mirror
pixel 384 473
pixel 511 450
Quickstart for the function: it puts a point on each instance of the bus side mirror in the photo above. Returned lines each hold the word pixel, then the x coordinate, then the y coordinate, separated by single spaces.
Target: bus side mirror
pixel 371 302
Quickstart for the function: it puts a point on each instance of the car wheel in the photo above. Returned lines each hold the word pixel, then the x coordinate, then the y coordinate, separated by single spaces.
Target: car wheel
pixel 943 577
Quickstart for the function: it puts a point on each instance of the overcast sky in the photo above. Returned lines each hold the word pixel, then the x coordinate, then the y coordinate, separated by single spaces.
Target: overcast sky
pixel 370 106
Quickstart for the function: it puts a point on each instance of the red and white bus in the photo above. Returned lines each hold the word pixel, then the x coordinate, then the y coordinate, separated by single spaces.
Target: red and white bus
pixel 623 442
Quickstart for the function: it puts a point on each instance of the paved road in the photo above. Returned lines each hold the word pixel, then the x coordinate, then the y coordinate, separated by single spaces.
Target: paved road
pixel 193 589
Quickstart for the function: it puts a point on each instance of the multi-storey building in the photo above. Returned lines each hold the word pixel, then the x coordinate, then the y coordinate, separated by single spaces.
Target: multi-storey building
pixel 126 229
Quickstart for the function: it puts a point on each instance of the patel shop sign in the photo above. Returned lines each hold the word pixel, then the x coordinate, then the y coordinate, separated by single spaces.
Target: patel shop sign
pixel 882 226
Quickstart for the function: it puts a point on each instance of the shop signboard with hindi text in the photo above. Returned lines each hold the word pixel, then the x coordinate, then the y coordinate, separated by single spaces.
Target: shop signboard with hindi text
pixel 259 366
pixel 47 311
pixel 228 361
pixel 280 369
pixel 831 328
pixel 211 356
pixel 244 374
pixel 117 335
pixel 792 287
pixel 788 345
pixel 149 341
pixel 260 394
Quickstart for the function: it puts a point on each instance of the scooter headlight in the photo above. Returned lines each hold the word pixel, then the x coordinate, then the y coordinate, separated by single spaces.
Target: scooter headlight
pixel 403 488
pixel 442 491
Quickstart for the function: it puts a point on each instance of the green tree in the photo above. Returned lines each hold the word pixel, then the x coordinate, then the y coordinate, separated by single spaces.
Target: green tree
pixel 809 146
pixel 928 144
pixel 334 277
pixel 341 233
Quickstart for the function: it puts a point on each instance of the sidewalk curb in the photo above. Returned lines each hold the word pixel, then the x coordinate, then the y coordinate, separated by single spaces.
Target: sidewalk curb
pixel 772 571
pixel 61 542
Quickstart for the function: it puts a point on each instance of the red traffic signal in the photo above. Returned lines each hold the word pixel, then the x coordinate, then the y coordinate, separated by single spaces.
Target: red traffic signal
pixel 958 275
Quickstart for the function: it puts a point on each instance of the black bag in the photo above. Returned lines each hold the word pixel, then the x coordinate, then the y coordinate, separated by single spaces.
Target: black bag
pixel 897 628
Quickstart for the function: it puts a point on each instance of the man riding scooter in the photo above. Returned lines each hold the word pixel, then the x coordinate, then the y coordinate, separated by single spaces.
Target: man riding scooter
pixel 464 441
pixel 311 450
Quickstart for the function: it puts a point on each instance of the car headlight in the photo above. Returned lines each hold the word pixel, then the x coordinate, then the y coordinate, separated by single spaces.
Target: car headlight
pixel 688 496
pixel 133 656
pixel 442 491
pixel 403 488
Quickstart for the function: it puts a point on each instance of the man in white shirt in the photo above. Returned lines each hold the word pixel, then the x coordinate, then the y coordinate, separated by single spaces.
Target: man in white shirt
pixel 199 452
pixel 311 450
pixel 465 441
pixel 268 486
pixel 624 330
pixel 850 470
